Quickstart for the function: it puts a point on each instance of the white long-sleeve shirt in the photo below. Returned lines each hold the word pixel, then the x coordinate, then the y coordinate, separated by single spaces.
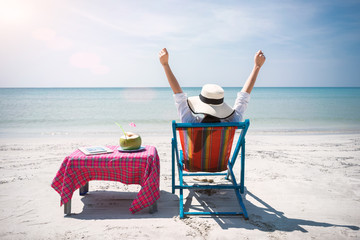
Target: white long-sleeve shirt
pixel 186 115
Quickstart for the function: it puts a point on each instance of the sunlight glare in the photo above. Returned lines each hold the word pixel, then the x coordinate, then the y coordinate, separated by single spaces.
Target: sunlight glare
pixel 13 12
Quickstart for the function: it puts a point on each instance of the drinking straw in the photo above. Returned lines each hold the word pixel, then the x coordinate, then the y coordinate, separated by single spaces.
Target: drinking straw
pixel 121 129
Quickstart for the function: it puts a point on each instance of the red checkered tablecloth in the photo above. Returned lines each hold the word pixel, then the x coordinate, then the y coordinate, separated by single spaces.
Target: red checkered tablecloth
pixel 141 168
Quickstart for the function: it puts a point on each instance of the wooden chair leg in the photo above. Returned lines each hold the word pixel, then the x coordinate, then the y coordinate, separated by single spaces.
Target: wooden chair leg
pixel 84 189
pixel 153 208
pixel 67 208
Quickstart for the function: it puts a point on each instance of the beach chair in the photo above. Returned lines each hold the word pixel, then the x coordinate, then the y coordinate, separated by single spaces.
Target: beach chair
pixel 206 151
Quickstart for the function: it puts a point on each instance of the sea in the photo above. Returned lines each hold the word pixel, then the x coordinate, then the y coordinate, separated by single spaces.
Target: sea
pixel 74 112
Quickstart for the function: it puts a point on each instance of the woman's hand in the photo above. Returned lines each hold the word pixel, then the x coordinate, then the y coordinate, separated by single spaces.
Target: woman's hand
pixel 164 60
pixel 164 57
pixel 259 59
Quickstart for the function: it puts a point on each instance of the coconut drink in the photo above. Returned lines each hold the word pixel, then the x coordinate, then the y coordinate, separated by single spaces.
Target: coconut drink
pixel 130 141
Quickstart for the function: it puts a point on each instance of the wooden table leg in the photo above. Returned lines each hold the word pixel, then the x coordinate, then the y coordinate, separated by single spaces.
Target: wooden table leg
pixel 67 207
pixel 84 189
pixel 153 208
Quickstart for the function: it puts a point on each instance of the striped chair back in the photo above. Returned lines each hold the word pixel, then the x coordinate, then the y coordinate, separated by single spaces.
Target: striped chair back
pixel 206 149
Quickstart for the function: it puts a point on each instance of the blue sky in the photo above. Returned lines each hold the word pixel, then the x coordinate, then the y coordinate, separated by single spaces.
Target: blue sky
pixel 46 43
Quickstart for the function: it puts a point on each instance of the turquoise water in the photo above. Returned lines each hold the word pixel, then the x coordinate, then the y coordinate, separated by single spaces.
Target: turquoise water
pixel 81 111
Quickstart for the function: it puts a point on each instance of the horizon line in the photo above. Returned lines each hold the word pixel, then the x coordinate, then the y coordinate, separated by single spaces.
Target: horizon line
pixel 184 87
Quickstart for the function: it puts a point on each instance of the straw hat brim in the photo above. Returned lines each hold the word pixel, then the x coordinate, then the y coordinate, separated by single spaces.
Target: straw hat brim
pixel 217 110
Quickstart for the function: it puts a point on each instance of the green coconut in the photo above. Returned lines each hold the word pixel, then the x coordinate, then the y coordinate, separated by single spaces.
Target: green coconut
pixel 132 141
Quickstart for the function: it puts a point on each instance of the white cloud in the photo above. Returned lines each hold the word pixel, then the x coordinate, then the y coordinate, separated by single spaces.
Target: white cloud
pixel 60 43
pixel 184 24
pixel 139 23
pixel 51 39
pixel 89 61
pixel 44 34
pixel 15 12
pixel 84 60
pixel 100 69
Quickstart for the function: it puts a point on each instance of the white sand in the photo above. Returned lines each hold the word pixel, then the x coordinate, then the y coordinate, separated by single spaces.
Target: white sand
pixel 298 187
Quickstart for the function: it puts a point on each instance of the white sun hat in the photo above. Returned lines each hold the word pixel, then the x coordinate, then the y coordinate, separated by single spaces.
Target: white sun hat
pixel 211 102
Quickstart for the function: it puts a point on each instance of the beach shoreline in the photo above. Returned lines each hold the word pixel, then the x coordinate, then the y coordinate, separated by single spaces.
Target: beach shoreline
pixel 298 186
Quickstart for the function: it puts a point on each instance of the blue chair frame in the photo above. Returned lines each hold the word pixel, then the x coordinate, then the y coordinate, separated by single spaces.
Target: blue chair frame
pixel 177 159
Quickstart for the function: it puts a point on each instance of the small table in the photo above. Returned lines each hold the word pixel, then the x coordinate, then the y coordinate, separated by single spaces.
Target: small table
pixel 141 168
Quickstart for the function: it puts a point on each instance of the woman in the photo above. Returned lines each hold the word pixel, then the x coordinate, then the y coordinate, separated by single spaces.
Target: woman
pixel 209 106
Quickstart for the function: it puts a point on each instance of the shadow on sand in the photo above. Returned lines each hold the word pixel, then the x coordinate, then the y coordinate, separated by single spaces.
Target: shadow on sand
pixel 261 216
pixel 115 205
